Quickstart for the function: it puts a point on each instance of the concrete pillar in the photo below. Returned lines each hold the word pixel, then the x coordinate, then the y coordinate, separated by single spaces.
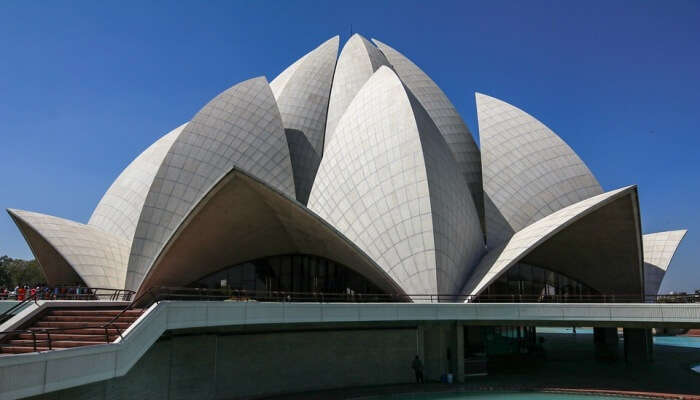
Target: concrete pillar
pixel 606 336
pixel 420 342
pixel 639 345
pixel 443 350
pixel 605 340
pixel 435 360
pixel 459 357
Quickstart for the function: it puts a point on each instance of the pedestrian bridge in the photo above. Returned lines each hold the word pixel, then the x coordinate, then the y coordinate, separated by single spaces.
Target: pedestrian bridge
pixel 41 372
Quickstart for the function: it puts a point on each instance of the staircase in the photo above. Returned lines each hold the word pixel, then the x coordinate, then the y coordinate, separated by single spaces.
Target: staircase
pixel 78 327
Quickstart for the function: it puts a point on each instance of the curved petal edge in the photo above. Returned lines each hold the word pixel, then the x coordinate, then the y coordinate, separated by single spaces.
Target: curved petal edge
pixel 240 128
pixel 358 60
pixel 66 249
pixel 211 238
pixel 302 92
pixel 538 234
pixel 448 121
pixel 659 249
pixel 119 209
pixel 528 171
pixel 390 184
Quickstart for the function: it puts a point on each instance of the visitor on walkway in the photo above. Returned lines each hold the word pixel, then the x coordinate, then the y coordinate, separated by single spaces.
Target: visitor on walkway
pixel 417 366
pixel 20 293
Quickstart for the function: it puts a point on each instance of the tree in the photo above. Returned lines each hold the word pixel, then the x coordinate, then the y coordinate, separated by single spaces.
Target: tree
pixel 14 272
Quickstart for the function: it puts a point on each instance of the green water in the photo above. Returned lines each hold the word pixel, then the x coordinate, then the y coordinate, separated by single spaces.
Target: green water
pixel 493 396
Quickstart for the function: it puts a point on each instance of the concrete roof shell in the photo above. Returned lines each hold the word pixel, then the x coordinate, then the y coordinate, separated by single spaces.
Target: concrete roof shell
pixel 389 182
pixel 211 237
pixel 119 209
pixel 659 249
pixel 446 118
pixel 527 240
pixel 358 60
pixel 528 171
pixel 302 92
pixel 60 245
pixel 240 128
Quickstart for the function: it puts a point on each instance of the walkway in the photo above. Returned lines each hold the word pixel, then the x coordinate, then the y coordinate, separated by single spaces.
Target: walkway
pixel 54 370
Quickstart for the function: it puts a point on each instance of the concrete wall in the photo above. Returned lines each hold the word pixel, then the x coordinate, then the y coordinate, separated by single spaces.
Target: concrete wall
pixel 7 304
pixel 225 366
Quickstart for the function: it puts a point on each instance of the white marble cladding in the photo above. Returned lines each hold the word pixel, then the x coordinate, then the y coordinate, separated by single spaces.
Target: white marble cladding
pixel 358 60
pixel 445 117
pixel 528 171
pixel 240 128
pixel 119 210
pixel 98 257
pixel 302 92
pixel 659 249
pixel 500 259
pixel 389 182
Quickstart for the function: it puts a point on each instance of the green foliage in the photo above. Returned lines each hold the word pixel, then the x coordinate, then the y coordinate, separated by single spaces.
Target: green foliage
pixel 14 271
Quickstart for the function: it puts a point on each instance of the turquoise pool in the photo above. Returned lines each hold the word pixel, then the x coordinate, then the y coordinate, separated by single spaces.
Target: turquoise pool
pixel 494 396
pixel 680 341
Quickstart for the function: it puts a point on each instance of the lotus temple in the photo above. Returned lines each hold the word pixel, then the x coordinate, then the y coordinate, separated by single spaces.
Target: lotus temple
pixel 356 173
pixel 347 219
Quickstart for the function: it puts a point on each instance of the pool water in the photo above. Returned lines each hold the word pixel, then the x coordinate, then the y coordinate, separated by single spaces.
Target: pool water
pixel 680 341
pixel 495 396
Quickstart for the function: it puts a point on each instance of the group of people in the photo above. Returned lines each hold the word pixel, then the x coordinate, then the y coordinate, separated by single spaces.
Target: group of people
pixel 43 292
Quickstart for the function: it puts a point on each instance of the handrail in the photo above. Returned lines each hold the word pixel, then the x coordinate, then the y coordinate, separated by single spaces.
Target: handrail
pixel 179 293
pixel 9 312
pixel 128 307
pixel 91 293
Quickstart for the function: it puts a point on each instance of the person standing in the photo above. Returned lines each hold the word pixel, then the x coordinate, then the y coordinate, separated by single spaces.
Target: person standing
pixel 417 366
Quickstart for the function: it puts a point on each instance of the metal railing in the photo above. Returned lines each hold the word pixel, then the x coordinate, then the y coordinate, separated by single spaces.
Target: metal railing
pixel 7 314
pixel 77 293
pixel 155 295
pixel 90 294
pixel 180 293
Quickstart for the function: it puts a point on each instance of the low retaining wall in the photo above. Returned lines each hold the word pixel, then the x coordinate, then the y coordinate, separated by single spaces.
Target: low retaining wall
pixel 227 366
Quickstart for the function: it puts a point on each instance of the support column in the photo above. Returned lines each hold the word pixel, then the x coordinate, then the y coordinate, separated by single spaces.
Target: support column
pixel 443 350
pixel 459 356
pixel 639 345
pixel 606 341
pixel 606 336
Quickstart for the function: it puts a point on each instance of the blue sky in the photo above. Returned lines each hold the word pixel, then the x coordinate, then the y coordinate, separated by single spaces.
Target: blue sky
pixel 86 86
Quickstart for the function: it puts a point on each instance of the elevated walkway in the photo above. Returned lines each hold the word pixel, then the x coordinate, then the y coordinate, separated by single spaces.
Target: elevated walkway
pixel 34 373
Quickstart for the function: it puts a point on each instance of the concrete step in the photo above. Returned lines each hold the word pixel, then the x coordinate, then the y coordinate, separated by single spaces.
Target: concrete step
pixel 54 343
pixel 64 336
pixel 64 324
pixel 86 318
pixel 84 331
pixel 105 313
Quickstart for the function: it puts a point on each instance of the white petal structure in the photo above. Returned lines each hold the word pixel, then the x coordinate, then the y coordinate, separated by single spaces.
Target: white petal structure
pixel 302 92
pixel 595 241
pixel 240 128
pixel 358 60
pixel 389 183
pixel 396 187
pixel 528 171
pixel 659 249
pixel 119 210
pixel 211 237
pixel 66 250
pixel 446 118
